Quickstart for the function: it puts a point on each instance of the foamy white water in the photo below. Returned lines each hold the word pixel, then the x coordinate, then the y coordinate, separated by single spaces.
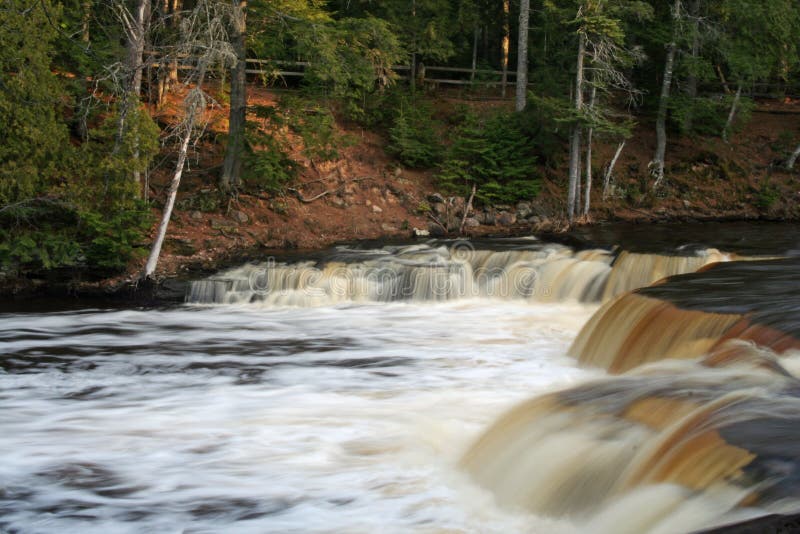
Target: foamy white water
pixel 242 419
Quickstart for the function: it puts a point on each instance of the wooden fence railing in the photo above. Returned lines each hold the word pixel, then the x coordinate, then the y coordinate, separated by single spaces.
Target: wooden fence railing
pixel 456 76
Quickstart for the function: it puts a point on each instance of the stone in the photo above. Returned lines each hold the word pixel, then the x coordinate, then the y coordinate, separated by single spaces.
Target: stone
pixel 338 201
pixel 435 230
pixel 388 227
pixel 376 209
pixel 240 216
pixel 490 218
pixel 435 198
pixel 416 232
pixel 687 204
pixel 196 215
pixel 471 222
pixel 506 219
pixel 524 210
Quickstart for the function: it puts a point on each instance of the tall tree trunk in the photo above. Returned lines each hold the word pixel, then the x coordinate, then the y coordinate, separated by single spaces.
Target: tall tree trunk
pixel 86 5
pixel 136 28
pixel 657 165
pixel 195 102
pixel 588 194
pixel 505 44
pixel 575 142
pixel 522 55
pixel 732 115
pixel 793 159
pixel 691 80
pixel 475 38
pixel 412 74
pixel 610 170
pixel 135 60
pixel 168 77
pixel 232 164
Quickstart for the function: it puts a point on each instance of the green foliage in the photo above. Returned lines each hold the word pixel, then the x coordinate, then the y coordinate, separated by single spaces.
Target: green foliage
pixel 64 204
pixel 495 155
pixel 707 116
pixel 113 239
pixel 767 196
pixel 266 164
pixel 414 136
pixel 33 138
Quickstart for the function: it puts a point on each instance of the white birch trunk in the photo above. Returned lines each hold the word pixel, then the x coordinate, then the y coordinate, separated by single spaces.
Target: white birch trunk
pixel 610 170
pixel 793 159
pixel 195 104
pixel 587 195
pixel 475 37
pixel 732 114
pixel 575 142
pixel 657 165
pixel 522 55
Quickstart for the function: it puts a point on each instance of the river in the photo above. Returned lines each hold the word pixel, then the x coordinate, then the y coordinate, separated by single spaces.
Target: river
pixel 294 410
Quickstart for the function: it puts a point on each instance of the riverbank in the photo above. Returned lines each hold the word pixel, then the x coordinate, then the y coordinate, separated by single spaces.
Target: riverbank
pixel 365 194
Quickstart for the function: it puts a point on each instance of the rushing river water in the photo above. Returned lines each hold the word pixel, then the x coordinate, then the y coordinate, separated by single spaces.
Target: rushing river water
pixel 369 390
pixel 233 419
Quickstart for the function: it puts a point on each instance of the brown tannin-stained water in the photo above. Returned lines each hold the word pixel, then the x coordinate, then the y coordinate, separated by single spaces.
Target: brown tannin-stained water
pixel 415 388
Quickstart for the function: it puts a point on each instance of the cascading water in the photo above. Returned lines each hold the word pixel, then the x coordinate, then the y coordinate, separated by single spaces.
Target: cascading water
pixel 442 272
pixel 346 394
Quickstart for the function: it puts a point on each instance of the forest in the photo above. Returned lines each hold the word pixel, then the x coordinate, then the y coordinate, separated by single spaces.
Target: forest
pixel 100 98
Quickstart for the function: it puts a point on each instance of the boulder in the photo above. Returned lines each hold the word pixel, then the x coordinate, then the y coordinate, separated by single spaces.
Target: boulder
pixel 471 222
pixel 240 216
pixel 506 219
pixel 416 232
pixel 435 230
pixel 376 209
pixel 435 198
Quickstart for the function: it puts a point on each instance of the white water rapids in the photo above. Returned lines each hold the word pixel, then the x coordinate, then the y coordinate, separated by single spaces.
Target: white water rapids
pixel 345 418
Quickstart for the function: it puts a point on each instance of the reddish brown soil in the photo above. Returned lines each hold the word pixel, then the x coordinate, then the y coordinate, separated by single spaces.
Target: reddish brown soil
pixel 365 194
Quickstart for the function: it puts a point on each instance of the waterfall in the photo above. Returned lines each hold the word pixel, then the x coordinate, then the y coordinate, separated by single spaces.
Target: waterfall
pixel 434 271
pixel 674 447
pixel 689 315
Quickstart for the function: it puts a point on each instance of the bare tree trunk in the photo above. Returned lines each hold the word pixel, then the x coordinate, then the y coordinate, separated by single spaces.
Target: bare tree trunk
pixel 588 193
pixel 793 159
pixel 412 74
pixel 135 60
pixel 610 170
pixel 232 164
pixel 505 44
pixel 522 55
pixel 169 78
pixel 195 102
pixel 86 5
pixel 732 114
pixel 657 165
pixel 575 142
pixel 467 208
pixel 136 25
pixel 475 37
pixel 691 80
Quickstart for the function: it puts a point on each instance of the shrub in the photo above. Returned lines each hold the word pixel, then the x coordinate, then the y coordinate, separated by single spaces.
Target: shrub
pixel 413 137
pixel 495 155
